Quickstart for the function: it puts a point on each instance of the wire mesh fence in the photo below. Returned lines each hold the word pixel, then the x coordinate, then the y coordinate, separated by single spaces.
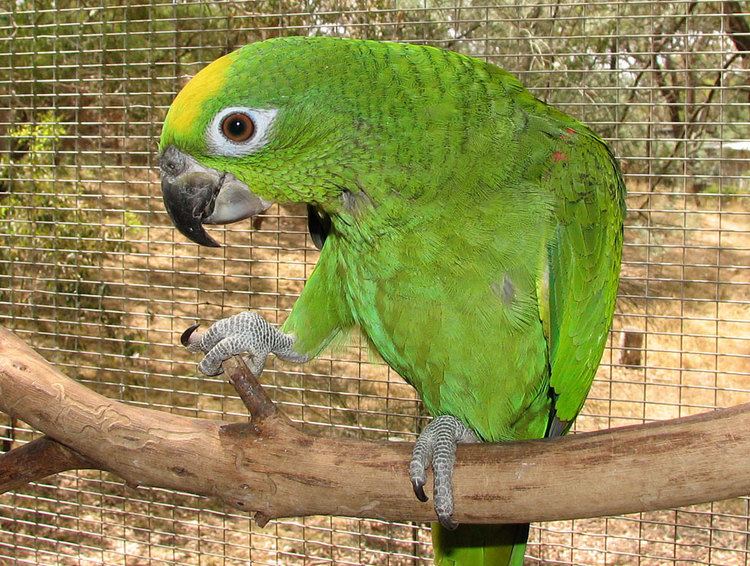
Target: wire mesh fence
pixel 93 275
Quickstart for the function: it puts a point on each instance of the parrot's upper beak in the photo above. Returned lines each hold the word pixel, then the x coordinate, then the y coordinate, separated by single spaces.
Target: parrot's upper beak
pixel 195 195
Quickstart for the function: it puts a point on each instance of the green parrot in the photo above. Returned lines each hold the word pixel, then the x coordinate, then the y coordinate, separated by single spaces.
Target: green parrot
pixel 470 231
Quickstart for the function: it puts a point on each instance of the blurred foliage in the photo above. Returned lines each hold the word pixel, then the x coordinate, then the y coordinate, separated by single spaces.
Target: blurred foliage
pixel 665 80
pixel 89 83
pixel 51 239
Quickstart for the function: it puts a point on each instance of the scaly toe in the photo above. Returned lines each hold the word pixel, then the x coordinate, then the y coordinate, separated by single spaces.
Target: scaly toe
pixel 436 445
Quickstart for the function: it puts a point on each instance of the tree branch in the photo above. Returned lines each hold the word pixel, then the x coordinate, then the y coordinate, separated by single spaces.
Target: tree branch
pixel 36 460
pixel 737 27
pixel 271 467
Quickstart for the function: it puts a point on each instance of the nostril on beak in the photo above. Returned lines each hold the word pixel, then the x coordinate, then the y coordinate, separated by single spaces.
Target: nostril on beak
pixel 172 162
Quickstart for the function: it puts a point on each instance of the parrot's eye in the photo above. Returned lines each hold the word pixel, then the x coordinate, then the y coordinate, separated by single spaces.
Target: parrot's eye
pixel 240 130
pixel 238 127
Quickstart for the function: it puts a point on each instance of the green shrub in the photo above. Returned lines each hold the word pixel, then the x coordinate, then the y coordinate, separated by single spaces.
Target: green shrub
pixel 53 246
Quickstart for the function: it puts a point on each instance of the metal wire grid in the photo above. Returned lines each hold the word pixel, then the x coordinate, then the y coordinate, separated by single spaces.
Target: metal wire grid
pixel 92 274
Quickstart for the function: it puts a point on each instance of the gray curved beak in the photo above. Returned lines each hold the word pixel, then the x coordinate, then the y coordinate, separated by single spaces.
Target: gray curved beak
pixel 195 195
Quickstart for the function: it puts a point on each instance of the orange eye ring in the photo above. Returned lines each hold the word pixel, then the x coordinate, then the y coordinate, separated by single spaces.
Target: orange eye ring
pixel 238 127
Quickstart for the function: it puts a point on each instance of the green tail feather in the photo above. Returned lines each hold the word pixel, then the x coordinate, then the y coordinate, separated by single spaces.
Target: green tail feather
pixel 480 545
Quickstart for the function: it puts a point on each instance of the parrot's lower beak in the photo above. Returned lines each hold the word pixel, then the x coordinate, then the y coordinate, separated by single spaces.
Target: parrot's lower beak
pixel 195 195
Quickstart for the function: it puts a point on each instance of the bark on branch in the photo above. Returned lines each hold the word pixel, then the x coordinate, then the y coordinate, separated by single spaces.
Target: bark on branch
pixel 270 467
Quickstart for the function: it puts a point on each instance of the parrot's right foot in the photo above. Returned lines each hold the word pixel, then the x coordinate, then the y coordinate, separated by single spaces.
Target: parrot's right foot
pixel 436 445
pixel 244 333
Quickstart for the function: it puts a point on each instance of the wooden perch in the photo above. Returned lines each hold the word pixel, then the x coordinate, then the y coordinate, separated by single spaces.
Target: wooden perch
pixel 272 468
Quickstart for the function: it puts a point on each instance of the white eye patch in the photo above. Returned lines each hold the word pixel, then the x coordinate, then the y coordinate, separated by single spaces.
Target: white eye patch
pixel 218 142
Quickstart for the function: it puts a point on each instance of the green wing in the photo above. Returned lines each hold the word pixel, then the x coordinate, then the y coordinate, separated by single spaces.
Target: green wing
pixel 584 253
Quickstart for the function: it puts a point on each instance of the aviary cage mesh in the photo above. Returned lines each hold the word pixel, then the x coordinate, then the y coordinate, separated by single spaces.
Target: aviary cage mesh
pixel 94 276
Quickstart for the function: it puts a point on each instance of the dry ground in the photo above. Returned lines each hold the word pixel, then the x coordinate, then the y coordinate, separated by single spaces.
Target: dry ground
pixel 684 305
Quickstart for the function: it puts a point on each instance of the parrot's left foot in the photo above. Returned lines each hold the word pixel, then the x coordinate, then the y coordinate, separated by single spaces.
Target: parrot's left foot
pixel 247 334
pixel 436 445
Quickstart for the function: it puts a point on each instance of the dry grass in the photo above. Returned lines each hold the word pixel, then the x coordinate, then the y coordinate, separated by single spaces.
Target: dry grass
pixel 684 290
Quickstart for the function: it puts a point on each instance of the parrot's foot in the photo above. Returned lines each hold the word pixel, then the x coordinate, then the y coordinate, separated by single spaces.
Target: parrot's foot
pixel 244 333
pixel 437 446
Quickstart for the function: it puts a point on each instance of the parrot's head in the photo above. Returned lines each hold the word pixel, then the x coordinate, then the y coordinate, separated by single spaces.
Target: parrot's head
pixel 275 121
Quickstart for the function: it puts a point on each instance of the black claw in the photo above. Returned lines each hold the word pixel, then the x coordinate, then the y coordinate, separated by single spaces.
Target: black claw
pixel 185 338
pixel 448 523
pixel 419 491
